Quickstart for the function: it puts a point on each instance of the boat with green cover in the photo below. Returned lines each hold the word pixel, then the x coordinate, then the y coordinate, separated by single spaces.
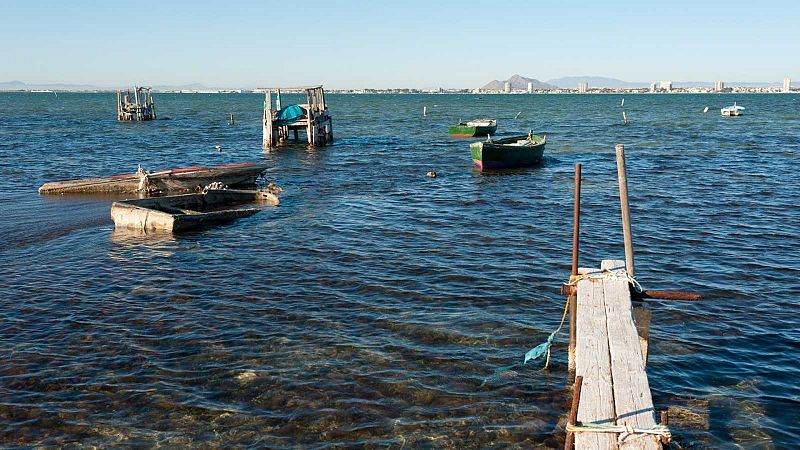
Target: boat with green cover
pixel 478 127
pixel 517 151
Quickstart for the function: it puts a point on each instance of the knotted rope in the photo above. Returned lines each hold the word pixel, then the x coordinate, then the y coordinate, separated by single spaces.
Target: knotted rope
pixel 605 274
pixel 624 430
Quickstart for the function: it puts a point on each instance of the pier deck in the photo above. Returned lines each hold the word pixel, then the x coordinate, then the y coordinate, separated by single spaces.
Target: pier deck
pixel 609 357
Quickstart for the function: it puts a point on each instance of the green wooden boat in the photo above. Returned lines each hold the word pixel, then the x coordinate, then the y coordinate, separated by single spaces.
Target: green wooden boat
pixel 478 127
pixel 517 151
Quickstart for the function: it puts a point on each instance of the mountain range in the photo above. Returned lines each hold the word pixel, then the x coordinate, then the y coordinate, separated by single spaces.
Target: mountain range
pixel 20 86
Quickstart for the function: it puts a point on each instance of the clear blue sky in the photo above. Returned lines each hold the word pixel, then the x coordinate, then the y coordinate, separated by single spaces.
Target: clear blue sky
pixel 408 43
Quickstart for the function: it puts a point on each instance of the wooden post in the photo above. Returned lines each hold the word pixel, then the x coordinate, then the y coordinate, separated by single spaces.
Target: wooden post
pixel 626 214
pixel 269 138
pixel 231 119
pixel 572 299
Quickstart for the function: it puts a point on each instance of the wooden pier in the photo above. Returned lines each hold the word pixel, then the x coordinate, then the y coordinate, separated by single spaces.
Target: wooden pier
pixel 311 117
pixel 140 108
pixel 612 407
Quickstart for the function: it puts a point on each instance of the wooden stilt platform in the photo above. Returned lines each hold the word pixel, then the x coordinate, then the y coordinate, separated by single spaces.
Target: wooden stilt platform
pixel 609 358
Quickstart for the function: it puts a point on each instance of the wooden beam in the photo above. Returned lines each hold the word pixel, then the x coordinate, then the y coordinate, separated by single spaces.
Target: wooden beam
pixel 593 363
pixel 633 403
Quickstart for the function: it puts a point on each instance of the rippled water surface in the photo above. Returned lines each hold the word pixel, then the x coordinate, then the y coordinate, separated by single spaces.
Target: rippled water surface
pixel 372 307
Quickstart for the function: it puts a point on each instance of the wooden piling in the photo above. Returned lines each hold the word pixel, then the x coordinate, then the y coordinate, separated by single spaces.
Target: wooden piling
pixel 231 121
pixel 626 214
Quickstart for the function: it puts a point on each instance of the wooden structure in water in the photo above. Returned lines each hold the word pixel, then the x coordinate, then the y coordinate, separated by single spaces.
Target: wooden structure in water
pixel 311 117
pixel 140 107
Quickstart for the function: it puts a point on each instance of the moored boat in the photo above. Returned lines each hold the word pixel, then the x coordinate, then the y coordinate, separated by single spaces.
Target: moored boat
pixel 176 213
pixel 478 127
pixel 517 151
pixel 174 180
pixel 732 111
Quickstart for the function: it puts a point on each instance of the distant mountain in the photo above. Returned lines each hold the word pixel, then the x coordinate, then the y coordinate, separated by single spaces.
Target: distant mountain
pixel 20 86
pixel 596 82
pixel 518 83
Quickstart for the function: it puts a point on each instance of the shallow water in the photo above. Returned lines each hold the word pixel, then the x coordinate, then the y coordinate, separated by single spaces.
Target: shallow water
pixel 372 307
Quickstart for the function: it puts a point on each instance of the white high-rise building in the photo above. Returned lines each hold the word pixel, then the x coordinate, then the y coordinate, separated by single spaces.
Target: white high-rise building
pixel 787 84
pixel 666 85
pixel 653 87
pixel 719 86
pixel 583 87
pixel 530 87
pixel 507 87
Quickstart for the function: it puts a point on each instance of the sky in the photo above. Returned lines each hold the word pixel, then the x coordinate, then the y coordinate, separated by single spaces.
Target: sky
pixel 405 43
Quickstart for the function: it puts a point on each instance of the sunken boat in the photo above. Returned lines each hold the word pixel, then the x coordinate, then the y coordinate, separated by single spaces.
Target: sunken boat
pixel 173 180
pixel 176 213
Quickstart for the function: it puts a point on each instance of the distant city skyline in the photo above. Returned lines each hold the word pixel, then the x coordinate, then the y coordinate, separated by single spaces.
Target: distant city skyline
pixel 414 44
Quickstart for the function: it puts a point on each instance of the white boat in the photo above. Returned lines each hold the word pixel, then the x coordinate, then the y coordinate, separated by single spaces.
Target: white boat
pixel 732 110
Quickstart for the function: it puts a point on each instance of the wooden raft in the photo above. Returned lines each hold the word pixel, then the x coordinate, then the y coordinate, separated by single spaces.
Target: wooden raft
pixel 609 357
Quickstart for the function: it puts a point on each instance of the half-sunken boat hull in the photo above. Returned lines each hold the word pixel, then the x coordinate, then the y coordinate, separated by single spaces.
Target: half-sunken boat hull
pixel 500 155
pixel 176 180
pixel 186 212
pixel 465 131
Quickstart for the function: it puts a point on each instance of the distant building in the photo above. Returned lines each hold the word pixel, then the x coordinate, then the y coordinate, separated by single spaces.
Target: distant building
pixel 666 85
pixel 719 86
pixel 653 87
pixel 583 87
pixel 530 87
pixel 507 87
pixel 787 84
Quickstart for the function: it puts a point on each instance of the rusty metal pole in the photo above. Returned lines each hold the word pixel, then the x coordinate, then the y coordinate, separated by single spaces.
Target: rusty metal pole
pixel 626 213
pixel 569 443
pixel 576 220
pixel 572 299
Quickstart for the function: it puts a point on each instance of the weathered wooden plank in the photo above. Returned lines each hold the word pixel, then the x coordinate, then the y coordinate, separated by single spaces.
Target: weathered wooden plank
pixel 633 402
pixel 592 361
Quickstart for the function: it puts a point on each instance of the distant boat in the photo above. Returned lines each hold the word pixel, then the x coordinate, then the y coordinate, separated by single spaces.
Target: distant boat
pixel 517 151
pixel 478 127
pixel 732 110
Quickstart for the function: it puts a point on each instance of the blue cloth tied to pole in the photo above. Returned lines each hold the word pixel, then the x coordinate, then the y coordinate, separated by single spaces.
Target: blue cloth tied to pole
pixel 289 115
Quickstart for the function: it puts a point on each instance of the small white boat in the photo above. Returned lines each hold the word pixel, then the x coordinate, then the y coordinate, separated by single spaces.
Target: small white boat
pixel 731 111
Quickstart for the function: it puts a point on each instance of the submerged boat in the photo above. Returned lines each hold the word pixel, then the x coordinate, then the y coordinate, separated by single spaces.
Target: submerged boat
pixel 177 213
pixel 478 127
pixel 731 111
pixel 175 180
pixel 517 151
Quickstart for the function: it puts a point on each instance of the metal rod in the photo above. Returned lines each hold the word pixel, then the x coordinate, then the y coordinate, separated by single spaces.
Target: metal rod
pixel 576 220
pixel 572 299
pixel 569 443
pixel 670 295
pixel 626 213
